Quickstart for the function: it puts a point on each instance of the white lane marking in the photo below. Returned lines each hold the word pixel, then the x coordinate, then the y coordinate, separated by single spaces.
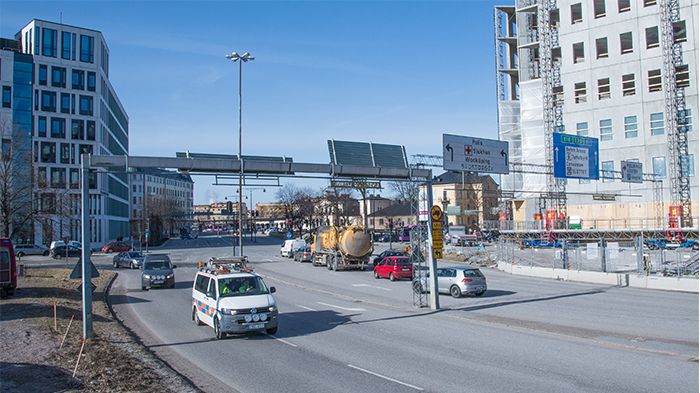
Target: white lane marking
pixel 342 308
pixel 371 286
pixel 282 340
pixel 385 377
pixel 305 308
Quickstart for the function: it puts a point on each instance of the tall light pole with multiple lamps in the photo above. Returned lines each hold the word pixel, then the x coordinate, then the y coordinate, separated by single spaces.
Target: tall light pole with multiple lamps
pixel 235 57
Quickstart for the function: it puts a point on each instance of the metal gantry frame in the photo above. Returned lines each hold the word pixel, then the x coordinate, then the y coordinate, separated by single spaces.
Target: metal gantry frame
pixel 675 110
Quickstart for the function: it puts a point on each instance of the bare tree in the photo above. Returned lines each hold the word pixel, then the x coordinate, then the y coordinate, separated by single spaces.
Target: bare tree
pixel 404 191
pixel 16 182
pixel 299 205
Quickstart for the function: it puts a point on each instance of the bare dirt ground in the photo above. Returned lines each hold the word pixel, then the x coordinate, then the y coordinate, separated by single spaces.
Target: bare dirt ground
pixel 112 361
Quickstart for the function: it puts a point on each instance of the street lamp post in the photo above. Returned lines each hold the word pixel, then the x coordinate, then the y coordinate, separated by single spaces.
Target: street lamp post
pixel 235 57
pixel 250 201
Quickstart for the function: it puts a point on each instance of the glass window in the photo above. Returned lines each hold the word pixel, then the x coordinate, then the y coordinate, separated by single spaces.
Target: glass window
pixel 582 129
pixel 626 43
pixel 77 129
pixel 65 45
pixel 654 77
pixel 43 74
pixel 41 176
pixel 628 85
pixel 608 168
pixel 603 88
pixel 86 105
pixel 679 32
pixel 65 153
pixel 58 177
pixel 579 56
pixel 58 127
pixel 659 166
pixel 36 100
pixel 601 47
pixel 87 49
pixel 50 46
pixel 90 134
pixel 652 34
pixel 576 13
pixel 656 123
pixel 623 5
pixel 74 178
pixel 580 92
pixel 688 165
pixel 78 79
pixel 6 97
pixel 65 103
pixel 648 3
pixel 48 101
pixel 685 121
pixel 48 152
pixel 91 81
pixel 606 130
pixel 631 130
pixel 682 76
pixel 41 126
pixel 58 76
pixel 599 8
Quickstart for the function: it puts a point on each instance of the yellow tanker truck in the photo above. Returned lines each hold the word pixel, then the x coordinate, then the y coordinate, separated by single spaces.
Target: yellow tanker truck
pixel 342 248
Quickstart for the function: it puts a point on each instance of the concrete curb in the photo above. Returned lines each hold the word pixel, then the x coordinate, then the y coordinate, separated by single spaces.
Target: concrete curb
pixel 619 279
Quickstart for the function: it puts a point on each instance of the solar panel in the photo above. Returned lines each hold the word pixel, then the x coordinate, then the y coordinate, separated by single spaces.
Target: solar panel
pixel 367 154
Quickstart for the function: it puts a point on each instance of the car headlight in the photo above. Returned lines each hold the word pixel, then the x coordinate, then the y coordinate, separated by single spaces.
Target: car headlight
pixel 272 309
pixel 146 276
pixel 228 311
pixel 248 318
pixel 256 317
pixel 170 276
pixel 263 317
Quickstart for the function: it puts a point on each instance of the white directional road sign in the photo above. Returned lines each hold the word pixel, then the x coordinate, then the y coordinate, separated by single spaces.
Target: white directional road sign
pixel 631 172
pixel 465 153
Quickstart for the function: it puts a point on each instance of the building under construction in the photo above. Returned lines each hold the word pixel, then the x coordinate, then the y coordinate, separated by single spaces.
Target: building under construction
pixel 621 71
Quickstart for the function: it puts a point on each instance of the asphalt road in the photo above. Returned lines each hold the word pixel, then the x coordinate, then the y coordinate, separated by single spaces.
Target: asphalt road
pixel 347 332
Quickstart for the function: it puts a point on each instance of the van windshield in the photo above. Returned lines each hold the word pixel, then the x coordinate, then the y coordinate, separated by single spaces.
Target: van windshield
pixel 242 286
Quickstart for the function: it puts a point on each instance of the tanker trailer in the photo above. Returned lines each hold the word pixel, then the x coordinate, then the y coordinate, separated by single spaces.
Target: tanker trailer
pixel 353 248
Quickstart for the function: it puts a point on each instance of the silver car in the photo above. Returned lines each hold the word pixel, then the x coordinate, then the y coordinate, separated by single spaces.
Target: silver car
pixel 457 281
pixel 30 249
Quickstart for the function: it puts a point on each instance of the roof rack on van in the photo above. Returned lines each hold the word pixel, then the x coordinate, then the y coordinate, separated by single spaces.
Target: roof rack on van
pixel 226 265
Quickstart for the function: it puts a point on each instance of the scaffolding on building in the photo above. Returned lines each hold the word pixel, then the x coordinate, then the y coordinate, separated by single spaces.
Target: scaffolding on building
pixel 676 111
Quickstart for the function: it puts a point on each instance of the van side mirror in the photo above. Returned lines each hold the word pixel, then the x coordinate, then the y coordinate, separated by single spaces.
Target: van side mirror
pixel 273 289
pixel 210 294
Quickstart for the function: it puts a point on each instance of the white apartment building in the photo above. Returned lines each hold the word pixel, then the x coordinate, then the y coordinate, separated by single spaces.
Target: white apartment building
pixel 75 110
pixel 610 85
pixel 168 202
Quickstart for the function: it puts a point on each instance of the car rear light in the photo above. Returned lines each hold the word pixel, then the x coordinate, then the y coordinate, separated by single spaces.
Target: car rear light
pixel 466 280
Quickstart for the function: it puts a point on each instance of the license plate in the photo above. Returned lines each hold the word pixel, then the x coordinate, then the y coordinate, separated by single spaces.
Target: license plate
pixel 405 270
pixel 255 326
pixel 158 282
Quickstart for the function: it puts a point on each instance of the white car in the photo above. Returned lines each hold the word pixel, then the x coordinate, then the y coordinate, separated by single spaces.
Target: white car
pixel 232 301
pixel 291 245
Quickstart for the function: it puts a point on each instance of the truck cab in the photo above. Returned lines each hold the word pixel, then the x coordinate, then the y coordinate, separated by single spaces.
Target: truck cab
pixel 233 301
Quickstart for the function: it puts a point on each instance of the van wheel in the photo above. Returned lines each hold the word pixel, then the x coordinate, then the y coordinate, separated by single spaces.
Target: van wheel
pixel 133 266
pixel 195 317
pixel 114 264
pixel 455 292
pixel 392 277
pixel 271 330
pixel 20 254
pixel 376 275
pixel 217 330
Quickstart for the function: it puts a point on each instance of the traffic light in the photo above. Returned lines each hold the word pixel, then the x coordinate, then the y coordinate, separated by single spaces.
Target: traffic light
pixel 229 207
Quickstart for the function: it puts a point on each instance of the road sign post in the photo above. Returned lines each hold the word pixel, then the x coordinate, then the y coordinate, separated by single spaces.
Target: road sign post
pixel 434 299
pixel 85 252
pixel 465 153
pixel 575 157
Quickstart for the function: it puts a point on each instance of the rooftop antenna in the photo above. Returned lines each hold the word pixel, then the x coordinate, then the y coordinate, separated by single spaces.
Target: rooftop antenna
pixel 60 16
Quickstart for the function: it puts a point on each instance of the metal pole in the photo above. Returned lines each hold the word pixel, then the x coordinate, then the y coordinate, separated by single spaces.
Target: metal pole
pixel 143 213
pixel 434 300
pixel 85 252
pixel 240 155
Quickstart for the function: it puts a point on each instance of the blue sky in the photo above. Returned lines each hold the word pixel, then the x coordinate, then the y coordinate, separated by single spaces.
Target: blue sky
pixel 388 72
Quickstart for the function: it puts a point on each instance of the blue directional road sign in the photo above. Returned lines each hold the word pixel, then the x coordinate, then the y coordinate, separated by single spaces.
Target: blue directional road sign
pixel 575 157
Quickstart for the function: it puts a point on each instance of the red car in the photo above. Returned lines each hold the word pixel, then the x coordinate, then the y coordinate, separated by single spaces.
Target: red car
pixel 116 247
pixel 394 267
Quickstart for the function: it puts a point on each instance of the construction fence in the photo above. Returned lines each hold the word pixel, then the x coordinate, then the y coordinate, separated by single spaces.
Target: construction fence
pixel 602 255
